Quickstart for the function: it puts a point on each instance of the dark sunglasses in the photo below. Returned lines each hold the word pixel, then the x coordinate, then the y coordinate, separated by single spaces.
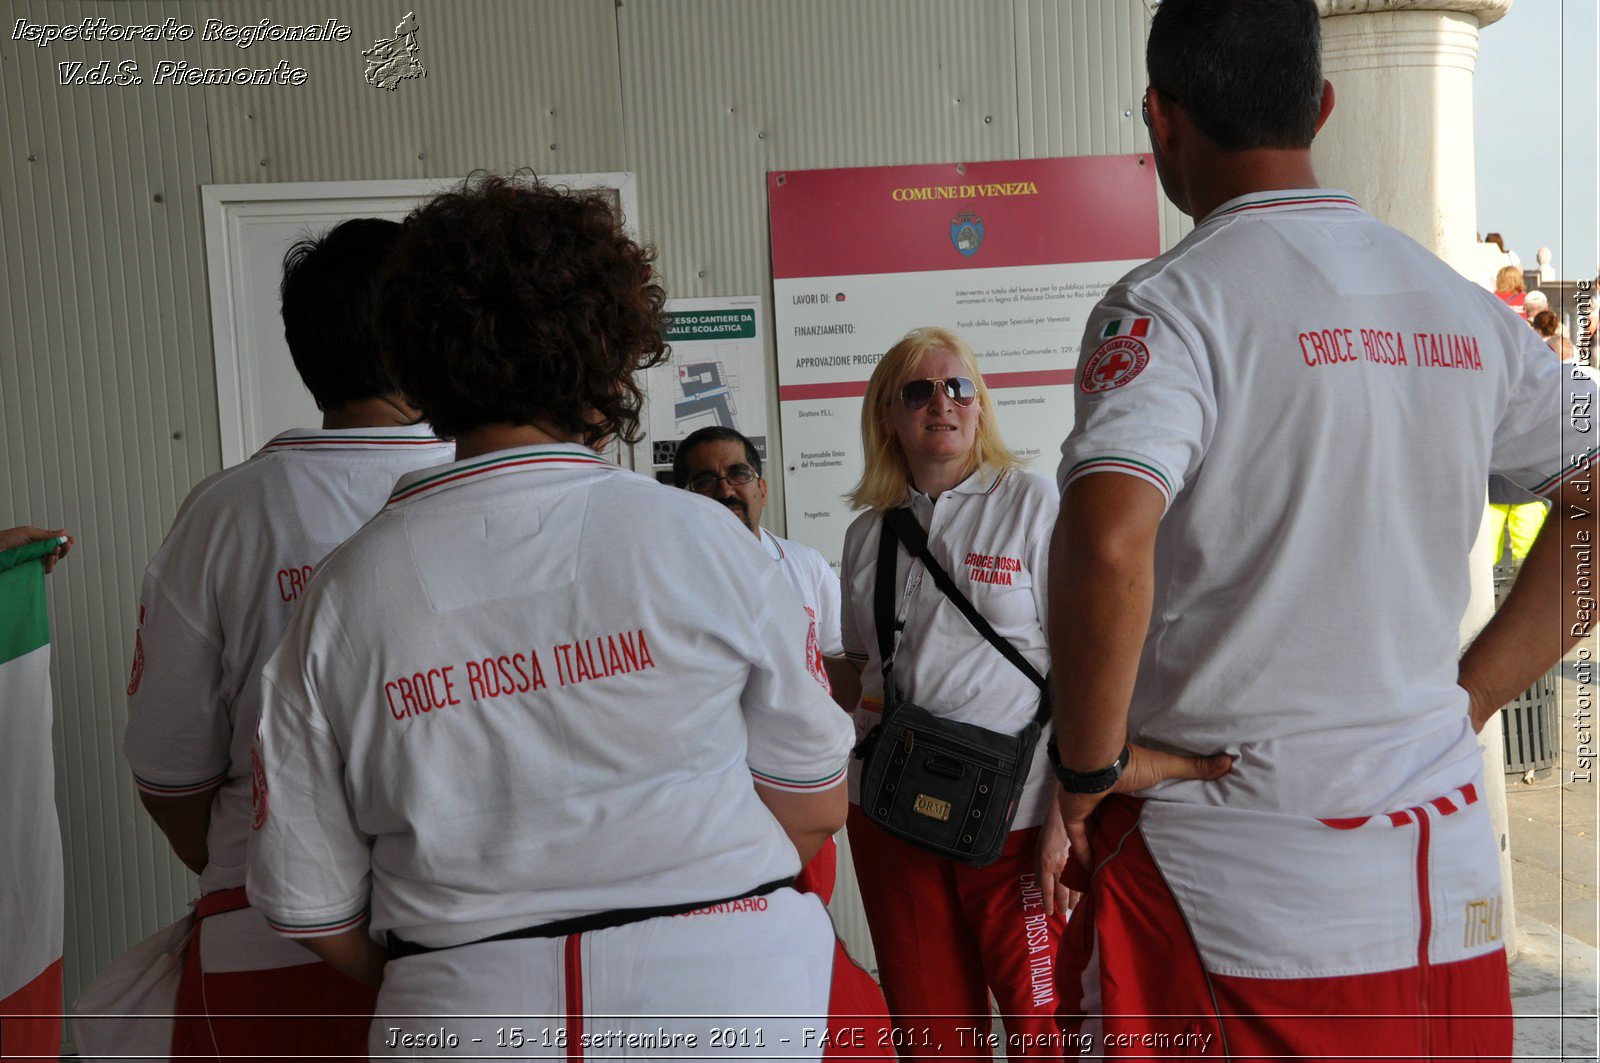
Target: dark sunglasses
pixel 918 393
pixel 706 482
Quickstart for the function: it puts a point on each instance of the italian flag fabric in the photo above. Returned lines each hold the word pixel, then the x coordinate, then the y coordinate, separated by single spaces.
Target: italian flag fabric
pixel 31 882
pixel 1125 326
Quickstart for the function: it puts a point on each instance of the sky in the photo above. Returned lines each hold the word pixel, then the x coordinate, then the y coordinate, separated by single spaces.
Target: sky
pixel 1536 101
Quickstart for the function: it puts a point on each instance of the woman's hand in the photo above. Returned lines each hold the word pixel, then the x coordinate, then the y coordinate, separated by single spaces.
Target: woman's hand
pixel 1052 859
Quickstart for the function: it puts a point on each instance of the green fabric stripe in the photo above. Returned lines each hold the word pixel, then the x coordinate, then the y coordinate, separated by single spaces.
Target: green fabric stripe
pixel 1551 481
pixel 1275 201
pixel 799 782
pixel 1151 469
pixel 24 624
pixel 319 926
pixel 456 470
pixel 1110 329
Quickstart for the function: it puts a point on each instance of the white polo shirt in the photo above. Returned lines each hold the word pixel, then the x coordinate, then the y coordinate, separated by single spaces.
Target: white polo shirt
pixel 814 580
pixel 218 595
pixel 992 535
pixel 536 686
pixel 1320 401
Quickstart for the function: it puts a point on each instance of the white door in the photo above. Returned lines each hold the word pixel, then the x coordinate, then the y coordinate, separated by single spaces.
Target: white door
pixel 248 229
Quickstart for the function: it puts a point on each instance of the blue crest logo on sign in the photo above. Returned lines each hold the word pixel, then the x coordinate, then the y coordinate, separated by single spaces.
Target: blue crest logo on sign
pixel 966 233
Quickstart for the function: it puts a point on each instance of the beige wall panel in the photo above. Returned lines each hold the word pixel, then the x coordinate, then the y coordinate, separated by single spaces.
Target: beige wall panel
pixel 509 83
pixel 719 92
pixel 107 412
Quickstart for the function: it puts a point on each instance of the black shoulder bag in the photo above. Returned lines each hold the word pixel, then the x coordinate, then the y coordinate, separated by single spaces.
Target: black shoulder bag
pixel 947 787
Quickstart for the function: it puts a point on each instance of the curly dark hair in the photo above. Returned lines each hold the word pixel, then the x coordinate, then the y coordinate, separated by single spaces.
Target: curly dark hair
pixel 507 301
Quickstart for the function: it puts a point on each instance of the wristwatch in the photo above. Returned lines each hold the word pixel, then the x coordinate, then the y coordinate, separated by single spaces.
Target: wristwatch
pixel 1086 782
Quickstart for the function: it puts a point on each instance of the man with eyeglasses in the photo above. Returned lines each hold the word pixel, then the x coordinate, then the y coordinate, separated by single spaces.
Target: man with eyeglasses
pixel 722 464
pixel 1331 881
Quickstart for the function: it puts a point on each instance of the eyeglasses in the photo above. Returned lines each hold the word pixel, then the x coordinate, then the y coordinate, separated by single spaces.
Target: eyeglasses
pixel 918 393
pixel 706 482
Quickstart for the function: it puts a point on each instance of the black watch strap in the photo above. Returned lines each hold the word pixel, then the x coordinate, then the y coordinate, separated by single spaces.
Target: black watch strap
pixel 1086 782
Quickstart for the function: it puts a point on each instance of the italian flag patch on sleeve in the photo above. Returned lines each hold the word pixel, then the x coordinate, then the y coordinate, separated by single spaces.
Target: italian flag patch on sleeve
pixel 1126 326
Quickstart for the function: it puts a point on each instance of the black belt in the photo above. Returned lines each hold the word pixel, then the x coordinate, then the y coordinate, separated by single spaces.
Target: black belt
pixel 399 947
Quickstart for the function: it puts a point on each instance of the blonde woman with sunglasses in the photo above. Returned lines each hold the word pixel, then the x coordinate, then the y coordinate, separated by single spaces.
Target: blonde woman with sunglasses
pixel 948 934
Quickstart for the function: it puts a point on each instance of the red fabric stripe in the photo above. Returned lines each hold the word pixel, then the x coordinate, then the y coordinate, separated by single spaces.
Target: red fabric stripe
pixel 1135 470
pixel 1346 824
pixel 574 969
pixel 1287 203
pixel 1470 793
pixel 293 443
pixel 1400 819
pixel 35 1038
pixel 854 389
pixel 1141 325
pixel 1445 806
pixel 492 468
pixel 858 1018
pixel 820 872
pixel 1424 900
pixel 221 901
pixel 308 1010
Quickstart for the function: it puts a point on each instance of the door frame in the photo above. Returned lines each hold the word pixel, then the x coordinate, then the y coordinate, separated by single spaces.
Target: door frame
pixel 225 205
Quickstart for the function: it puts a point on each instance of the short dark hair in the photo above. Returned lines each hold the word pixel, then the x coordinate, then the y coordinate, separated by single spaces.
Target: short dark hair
pixel 508 301
pixel 715 433
pixel 1247 72
pixel 329 293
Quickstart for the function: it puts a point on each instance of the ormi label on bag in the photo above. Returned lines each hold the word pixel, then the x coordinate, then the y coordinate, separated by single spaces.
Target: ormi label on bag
pixel 932 807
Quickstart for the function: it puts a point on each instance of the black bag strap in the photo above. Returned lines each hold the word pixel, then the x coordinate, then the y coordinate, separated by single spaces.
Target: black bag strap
pixel 901 526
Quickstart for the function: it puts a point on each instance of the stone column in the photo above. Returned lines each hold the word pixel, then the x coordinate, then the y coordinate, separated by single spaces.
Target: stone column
pixel 1401 141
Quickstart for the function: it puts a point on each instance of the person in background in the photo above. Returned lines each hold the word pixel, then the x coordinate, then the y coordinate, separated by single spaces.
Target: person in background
pixel 215 602
pixel 1511 257
pixel 947 935
pixel 1548 326
pixel 1332 880
pixel 1508 287
pixel 722 464
pixel 1534 302
pixel 541 739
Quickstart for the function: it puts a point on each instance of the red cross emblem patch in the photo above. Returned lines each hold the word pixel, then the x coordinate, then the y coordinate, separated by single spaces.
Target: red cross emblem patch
pixel 1113 364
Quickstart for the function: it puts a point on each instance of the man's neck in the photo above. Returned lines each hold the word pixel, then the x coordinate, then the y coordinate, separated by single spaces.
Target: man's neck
pixel 1226 175
pixel 382 411
pixel 488 438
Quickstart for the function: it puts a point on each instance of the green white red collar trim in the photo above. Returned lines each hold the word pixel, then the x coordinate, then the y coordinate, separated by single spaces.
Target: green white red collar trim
pixel 980 484
pixel 774 547
pixel 351 439
pixel 1298 199
pixel 560 456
